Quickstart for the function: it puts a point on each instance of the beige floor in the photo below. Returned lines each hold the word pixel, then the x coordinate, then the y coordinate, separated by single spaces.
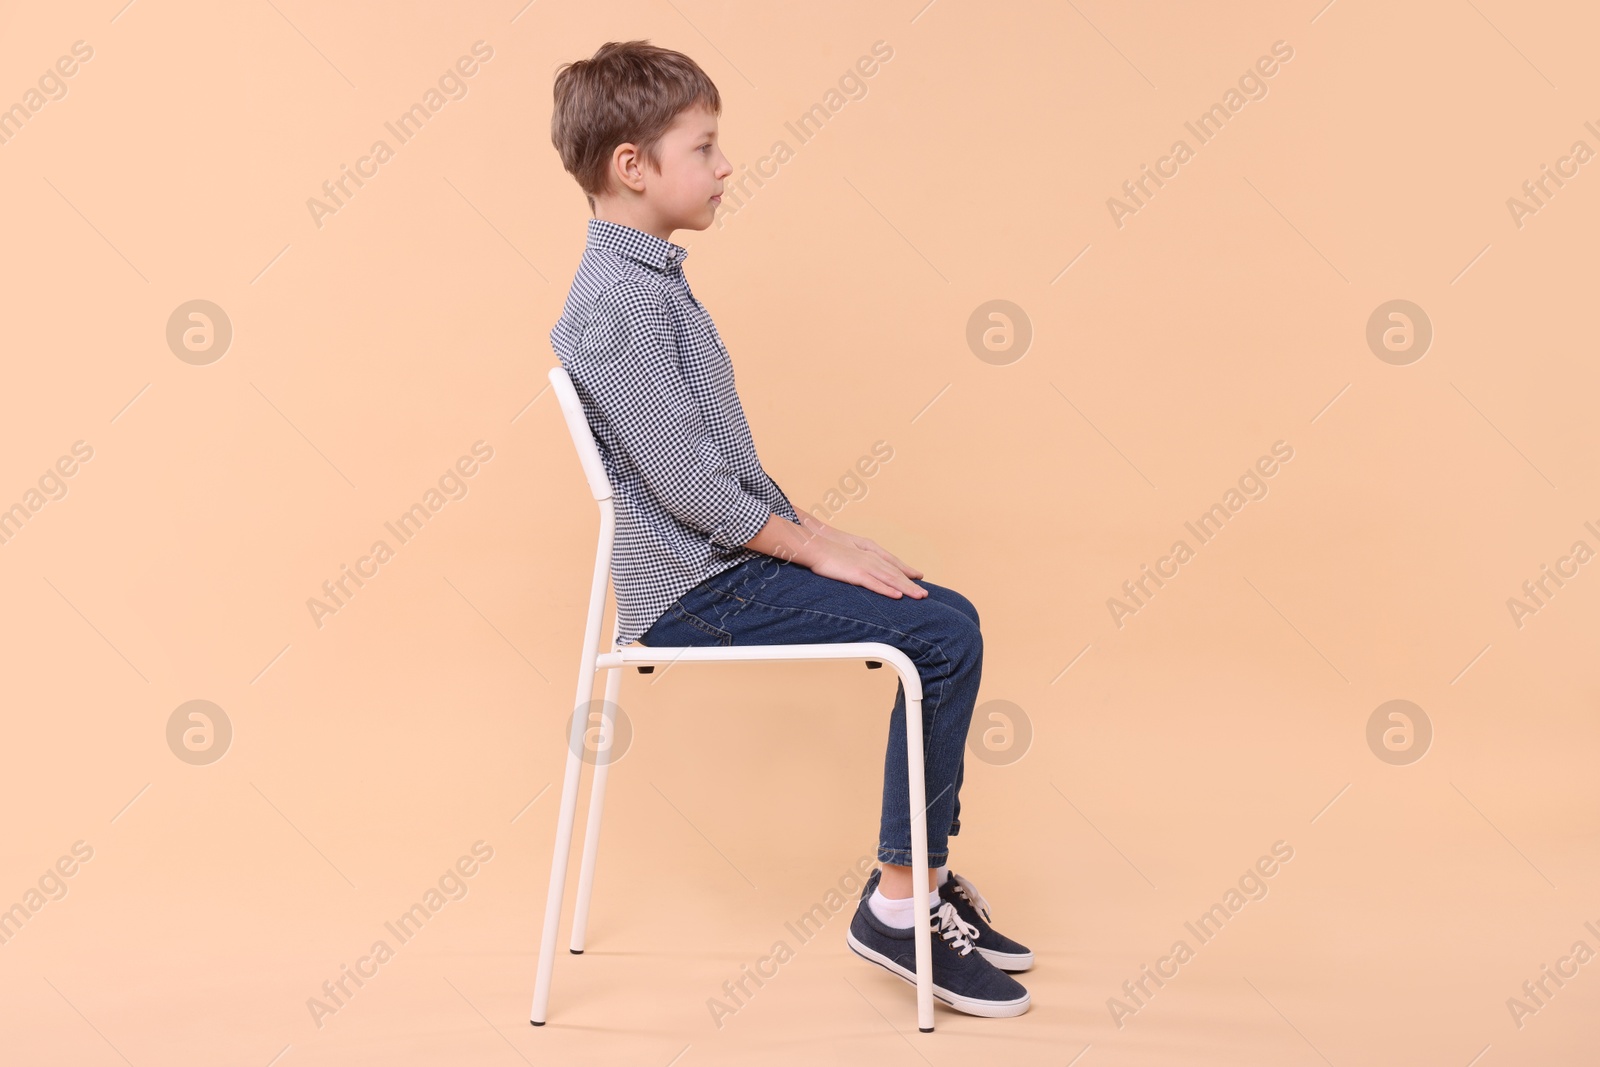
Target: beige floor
pixel 1394 935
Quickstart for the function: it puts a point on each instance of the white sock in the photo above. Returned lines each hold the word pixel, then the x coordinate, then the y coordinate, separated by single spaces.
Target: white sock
pixel 940 877
pixel 895 911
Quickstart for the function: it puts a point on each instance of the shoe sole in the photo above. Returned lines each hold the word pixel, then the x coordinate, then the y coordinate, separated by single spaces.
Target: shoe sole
pixel 988 1009
pixel 1010 962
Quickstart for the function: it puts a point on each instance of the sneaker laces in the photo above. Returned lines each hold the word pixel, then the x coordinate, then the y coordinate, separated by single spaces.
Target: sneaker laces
pixel 970 891
pixel 953 928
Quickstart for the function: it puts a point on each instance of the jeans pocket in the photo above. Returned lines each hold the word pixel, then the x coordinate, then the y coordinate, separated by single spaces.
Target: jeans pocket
pixel 689 618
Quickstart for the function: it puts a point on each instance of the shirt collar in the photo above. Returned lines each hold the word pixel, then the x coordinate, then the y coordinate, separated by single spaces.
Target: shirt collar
pixel 645 248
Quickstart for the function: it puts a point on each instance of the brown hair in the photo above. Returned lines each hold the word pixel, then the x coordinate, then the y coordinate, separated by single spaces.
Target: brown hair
pixel 628 92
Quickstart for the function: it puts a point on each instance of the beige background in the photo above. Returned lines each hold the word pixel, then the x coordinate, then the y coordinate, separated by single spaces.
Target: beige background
pixel 1230 713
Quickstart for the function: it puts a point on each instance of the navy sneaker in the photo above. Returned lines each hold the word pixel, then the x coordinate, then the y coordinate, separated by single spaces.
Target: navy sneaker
pixel 997 948
pixel 962 978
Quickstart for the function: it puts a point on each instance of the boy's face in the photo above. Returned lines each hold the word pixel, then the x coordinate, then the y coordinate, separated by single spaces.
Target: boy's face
pixel 685 193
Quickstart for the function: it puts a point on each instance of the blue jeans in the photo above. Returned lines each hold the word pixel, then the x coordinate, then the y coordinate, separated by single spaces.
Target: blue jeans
pixel 766 601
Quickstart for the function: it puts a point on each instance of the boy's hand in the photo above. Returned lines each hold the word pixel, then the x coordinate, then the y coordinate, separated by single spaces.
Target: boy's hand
pixel 867 544
pixel 841 559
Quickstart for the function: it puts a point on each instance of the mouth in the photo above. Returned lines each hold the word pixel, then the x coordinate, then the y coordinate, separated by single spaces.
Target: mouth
pixel 717 199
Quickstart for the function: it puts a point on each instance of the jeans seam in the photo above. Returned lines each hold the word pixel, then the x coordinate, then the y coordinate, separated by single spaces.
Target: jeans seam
pixel 700 624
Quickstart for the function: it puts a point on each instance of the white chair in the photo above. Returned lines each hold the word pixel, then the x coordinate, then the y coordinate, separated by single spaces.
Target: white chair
pixel 613 661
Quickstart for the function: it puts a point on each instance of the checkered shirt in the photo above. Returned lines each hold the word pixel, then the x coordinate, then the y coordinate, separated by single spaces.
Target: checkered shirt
pixel 657 388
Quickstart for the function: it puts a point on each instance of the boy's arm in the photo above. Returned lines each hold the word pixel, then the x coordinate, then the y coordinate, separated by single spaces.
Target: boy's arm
pixel 837 555
pixel 783 539
pixel 816 529
pixel 627 364
pixel 809 521
pixel 814 524
pixel 776 541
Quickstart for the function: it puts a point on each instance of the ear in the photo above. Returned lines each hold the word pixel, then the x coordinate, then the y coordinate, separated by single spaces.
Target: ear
pixel 627 166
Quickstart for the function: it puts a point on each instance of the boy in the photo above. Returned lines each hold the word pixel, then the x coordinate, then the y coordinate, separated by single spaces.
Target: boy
pixel 709 550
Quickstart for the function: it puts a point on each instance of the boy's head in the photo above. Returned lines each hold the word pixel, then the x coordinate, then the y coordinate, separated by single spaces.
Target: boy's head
pixel 636 125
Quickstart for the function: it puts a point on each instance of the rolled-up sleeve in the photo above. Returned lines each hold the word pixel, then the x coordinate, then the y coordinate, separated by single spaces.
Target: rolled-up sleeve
pixel 627 367
pixel 781 494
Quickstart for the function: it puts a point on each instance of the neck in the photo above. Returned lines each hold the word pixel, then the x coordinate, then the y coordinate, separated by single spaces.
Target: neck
pixel 636 216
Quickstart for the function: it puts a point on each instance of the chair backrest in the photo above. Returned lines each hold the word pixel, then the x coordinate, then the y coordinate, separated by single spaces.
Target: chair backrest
pixel 594 470
pixel 582 437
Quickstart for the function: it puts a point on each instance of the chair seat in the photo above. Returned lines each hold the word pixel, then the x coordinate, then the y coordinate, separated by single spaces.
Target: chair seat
pixel 874 653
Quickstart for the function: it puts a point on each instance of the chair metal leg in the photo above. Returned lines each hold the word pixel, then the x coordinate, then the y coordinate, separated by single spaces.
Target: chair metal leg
pixel 919 863
pixel 597 799
pixel 563 844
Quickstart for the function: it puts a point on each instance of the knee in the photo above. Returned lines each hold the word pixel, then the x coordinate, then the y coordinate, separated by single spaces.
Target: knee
pixel 946 595
pixel 967 608
pixel 967 639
